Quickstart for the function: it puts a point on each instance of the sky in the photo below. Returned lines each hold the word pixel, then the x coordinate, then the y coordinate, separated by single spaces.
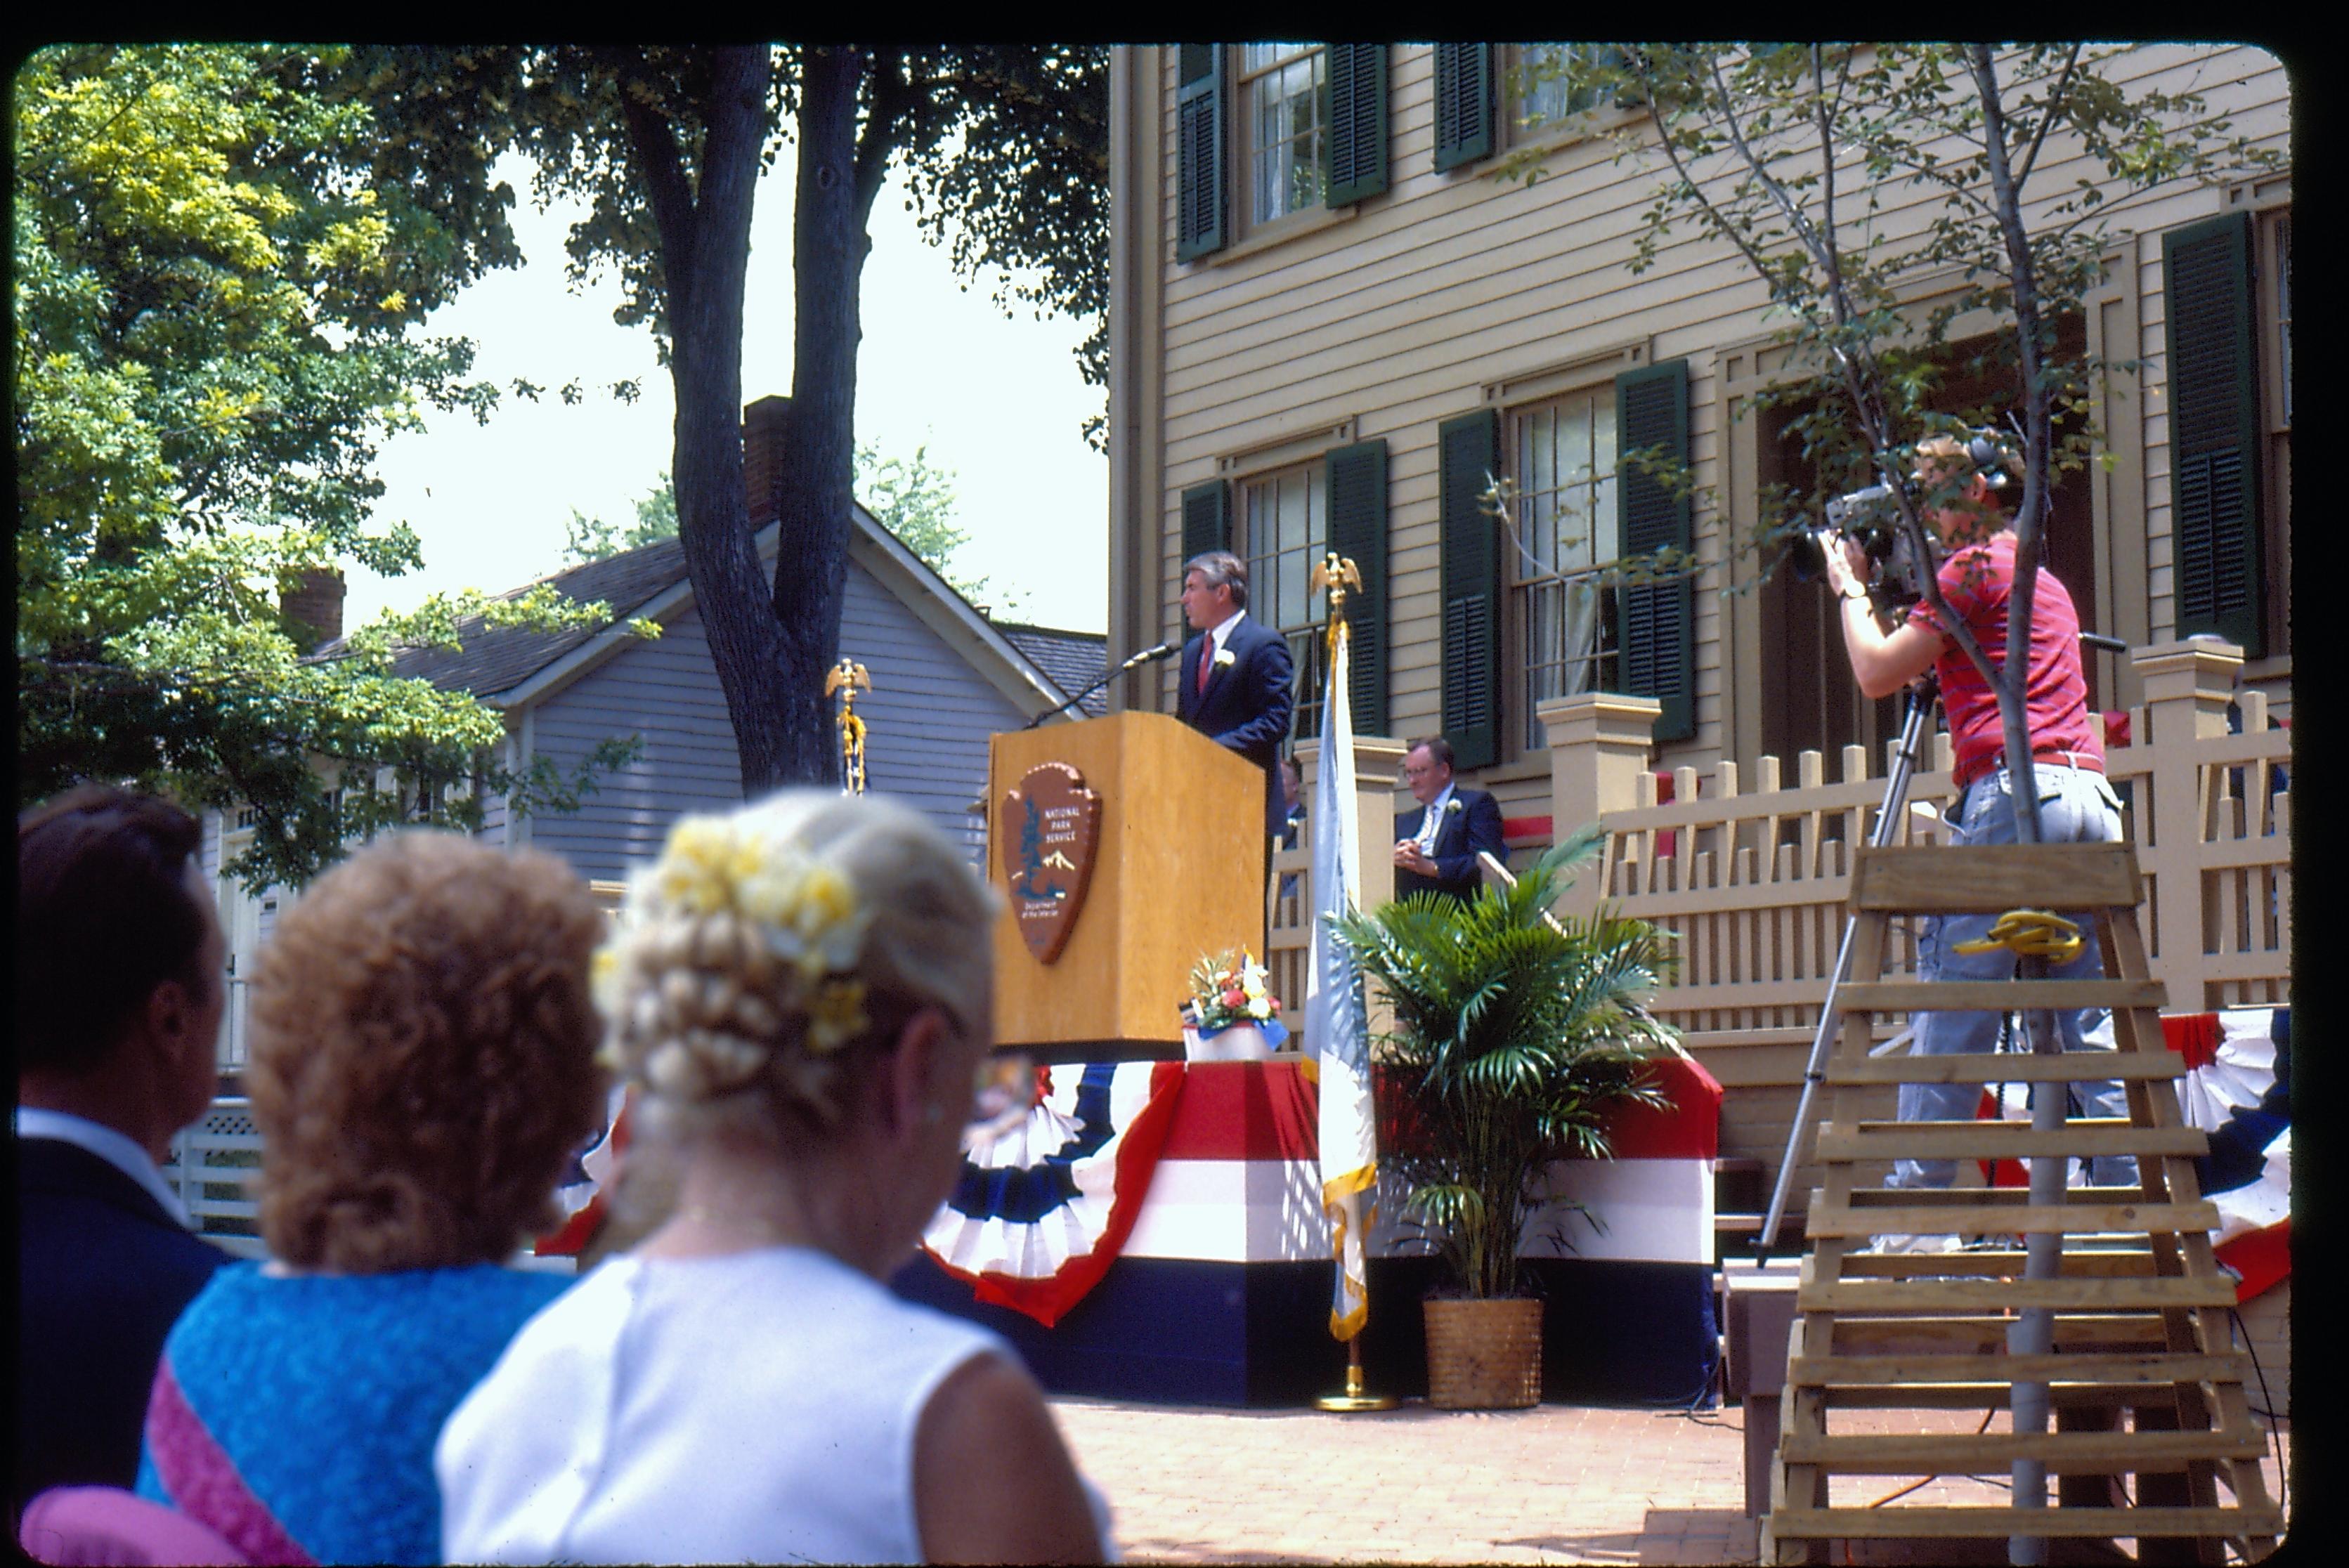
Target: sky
pixel 997 400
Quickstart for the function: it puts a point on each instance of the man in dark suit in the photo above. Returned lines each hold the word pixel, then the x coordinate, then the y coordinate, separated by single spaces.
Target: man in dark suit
pixel 1234 686
pixel 1436 846
pixel 120 986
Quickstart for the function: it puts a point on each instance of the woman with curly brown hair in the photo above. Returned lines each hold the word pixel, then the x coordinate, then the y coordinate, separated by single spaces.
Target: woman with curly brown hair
pixel 799 996
pixel 423 1064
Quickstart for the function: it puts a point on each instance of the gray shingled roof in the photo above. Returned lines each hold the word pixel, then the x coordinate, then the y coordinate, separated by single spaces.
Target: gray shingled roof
pixel 495 660
pixel 1072 660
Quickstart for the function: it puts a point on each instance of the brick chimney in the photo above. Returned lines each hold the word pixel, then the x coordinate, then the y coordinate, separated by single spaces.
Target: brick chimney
pixel 317 602
pixel 763 458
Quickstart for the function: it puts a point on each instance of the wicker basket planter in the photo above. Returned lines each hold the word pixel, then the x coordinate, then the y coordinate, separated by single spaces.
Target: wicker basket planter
pixel 1483 1354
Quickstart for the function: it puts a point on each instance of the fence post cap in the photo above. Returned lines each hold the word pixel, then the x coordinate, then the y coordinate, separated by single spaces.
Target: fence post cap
pixel 2201 654
pixel 1601 716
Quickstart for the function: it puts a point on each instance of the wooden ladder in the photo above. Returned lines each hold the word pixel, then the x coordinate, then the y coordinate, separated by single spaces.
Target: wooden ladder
pixel 2141 1307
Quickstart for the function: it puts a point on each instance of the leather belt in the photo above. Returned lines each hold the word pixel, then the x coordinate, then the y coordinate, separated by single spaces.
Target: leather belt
pixel 1997 759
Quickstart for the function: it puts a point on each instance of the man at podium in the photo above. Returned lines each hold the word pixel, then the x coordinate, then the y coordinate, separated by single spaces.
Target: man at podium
pixel 1234 687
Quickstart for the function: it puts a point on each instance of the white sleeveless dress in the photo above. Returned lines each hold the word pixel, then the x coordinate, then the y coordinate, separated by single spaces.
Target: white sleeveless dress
pixel 756 1407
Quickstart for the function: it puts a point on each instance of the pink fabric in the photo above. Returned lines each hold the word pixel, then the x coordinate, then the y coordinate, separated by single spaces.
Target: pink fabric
pixel 204 1481
pixel 105 1525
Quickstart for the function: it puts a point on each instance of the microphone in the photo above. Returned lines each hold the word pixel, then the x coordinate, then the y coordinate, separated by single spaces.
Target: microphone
pixel 1162 651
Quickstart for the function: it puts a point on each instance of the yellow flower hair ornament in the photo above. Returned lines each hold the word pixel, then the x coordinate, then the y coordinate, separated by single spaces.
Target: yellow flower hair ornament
pixel 804 914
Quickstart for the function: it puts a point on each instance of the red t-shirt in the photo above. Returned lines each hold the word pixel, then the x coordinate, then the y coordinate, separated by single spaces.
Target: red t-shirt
pixel 1976 581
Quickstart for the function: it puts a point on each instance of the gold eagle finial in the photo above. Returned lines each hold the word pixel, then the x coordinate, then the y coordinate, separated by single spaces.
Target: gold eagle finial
pixel 1336 576
pixel 845 679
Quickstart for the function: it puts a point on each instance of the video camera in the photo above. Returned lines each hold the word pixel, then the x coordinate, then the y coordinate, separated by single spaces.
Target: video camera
pixel 1896 579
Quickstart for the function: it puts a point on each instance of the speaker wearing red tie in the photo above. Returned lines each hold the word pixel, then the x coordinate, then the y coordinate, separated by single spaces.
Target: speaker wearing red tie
pixel 1233 687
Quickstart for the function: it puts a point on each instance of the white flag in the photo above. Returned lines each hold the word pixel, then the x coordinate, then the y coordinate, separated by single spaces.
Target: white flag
pixel 1336 1025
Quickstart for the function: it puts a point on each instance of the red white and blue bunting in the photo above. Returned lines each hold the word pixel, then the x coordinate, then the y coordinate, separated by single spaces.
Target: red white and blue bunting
pixel 1048 1194
pixel 582 1196
pixel 2238 1089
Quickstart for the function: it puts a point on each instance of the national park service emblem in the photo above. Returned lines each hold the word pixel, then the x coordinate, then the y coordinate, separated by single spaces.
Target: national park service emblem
pixel 1049 827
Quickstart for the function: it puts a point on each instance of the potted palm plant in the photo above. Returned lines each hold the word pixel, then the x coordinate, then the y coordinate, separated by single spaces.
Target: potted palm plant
pixel 1514 1032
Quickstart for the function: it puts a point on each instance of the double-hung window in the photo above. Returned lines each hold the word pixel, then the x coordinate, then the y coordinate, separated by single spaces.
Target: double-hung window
pixel 1523 85
pixel 1284 528
pixel 1550 97
pixel 1565 532
pixel 1285 104
pixel 1525 613
pixel 1288 128
pixel 1284 520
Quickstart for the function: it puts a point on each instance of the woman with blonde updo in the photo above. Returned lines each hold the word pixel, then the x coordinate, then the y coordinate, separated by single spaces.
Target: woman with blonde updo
pixel 799 993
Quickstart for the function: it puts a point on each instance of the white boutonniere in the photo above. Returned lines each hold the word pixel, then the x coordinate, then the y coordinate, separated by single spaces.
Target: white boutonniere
pixel 1225 658
pixel 1451 806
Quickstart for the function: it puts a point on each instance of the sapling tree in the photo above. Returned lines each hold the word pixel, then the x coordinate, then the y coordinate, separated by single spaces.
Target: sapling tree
pixel 1853 179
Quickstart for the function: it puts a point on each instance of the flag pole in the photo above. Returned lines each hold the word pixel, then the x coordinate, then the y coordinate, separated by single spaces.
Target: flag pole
pixel 1353 1399
pixel 1335 808
pixel 843 679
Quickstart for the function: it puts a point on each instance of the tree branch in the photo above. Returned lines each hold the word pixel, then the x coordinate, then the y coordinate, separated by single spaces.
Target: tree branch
pixel 1827 161
pixel 2047 117
pixel 1714 215
pixel 652 148
pixel 1798 221
pixel 892 97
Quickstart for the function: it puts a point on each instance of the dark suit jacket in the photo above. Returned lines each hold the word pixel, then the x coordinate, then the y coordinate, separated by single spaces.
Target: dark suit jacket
pixel 102 1274
pixel 1476 826
pixel 1246 704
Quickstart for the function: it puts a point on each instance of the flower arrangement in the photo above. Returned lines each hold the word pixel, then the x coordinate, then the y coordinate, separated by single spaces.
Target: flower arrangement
pixel 1228 989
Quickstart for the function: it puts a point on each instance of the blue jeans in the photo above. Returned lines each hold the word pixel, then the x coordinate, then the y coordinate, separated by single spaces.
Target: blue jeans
pixel 2076 807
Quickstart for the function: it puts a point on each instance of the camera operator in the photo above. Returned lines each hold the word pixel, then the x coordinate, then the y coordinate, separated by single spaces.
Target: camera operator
pixel 2076 805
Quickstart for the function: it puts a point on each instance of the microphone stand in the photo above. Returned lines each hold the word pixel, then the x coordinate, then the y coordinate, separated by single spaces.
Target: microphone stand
pixel 1162 651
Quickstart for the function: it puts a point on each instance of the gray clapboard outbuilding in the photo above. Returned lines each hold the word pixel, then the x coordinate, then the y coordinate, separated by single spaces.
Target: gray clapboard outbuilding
pixel 943 679
pixel 944 675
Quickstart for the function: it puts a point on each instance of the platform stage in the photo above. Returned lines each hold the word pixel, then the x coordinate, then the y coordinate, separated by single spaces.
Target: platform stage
pixel 1219 1293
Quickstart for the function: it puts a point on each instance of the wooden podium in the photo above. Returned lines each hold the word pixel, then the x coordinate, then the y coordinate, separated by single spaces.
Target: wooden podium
pixel 1177 873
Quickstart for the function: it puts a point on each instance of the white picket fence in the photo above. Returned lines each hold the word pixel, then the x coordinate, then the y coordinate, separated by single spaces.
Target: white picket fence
pixel 216 1169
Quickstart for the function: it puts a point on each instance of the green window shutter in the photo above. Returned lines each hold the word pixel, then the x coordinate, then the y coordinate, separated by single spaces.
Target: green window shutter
pixel 1201 223
pixel 1357 532
pixel 1356 150
pixel 1464 103
pixel 1206 518
pixel 2214 431
pixel 1468 452
pixel 1655 622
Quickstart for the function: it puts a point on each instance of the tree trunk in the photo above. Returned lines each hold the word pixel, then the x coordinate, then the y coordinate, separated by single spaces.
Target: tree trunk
pixel 2014 696
pixel 705 257
pixel 828 248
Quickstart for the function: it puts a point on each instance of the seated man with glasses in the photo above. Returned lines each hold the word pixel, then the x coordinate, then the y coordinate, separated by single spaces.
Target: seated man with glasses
pixel 1436 846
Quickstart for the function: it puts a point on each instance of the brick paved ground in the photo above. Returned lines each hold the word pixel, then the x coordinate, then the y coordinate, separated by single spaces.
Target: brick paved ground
pixel 1559 1483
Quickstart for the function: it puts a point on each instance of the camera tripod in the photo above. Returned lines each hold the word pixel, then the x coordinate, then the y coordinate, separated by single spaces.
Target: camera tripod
pixel 1922 694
